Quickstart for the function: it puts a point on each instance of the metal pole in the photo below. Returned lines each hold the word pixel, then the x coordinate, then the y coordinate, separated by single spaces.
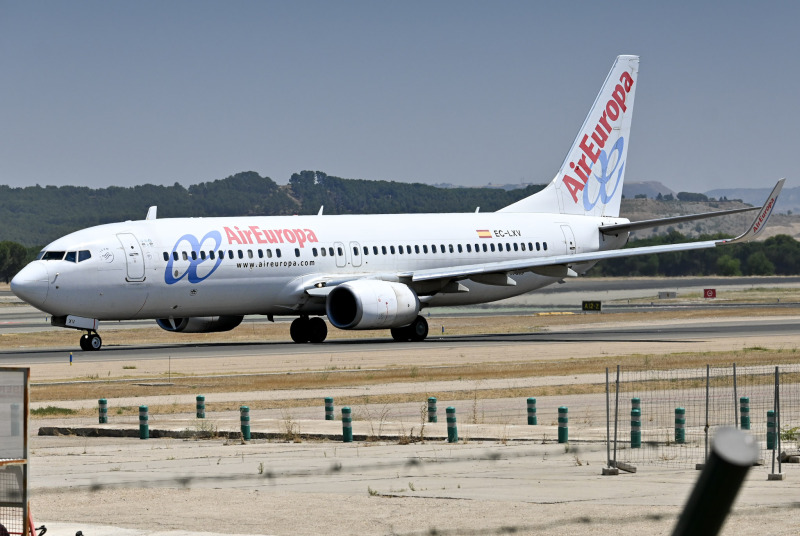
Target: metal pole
pixel 732 455
pixel 708 380
pixel 616 415
pixel 774 408
pixel 735 400
pixel 778 415
pixel 608 422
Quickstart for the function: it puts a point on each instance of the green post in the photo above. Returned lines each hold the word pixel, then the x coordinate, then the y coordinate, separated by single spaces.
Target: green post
pixel 680 425
pixel 201 407
pixel 772 436
pixel 16 420
pixel 532 420
pixel 744 410
pixel 432 416
pixel 102 417
pixel 452 428
pixel 329 408
pixel 563 425
pixel 347 425
pixel 636 428
pixel 244 419
pixel 144 426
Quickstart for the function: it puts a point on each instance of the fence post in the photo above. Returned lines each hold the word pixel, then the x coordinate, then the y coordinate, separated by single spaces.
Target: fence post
pixel 771 441
pixel 102 417
pixel 144 425
pixel 563 429
pixel 244 420
pixel 329 408
pixel 201 407
pixel 347 425
pixel 680 425
pixel 744 403
pixel 735 398
pixel 532 420
pixel 432 415
pixel 452 428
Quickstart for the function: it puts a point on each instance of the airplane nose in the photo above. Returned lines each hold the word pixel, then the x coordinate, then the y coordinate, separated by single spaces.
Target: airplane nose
pixel 31 284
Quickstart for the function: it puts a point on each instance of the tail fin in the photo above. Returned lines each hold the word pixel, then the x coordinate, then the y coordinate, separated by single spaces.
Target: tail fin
pixel 590 179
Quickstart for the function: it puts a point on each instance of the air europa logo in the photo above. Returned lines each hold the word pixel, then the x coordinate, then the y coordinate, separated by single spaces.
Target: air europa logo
pixel 762 217
pixel 199 268
pixel 254 235
pixel 592 150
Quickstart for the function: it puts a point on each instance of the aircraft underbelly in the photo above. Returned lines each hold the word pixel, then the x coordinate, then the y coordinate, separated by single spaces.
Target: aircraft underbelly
pixel 480 293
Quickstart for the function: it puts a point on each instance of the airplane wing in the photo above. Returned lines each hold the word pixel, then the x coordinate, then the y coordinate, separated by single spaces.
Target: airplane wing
pixel 559 266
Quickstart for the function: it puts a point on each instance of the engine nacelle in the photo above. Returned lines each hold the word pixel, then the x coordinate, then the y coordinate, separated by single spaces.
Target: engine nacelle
pixel 199 324
pixel 371 304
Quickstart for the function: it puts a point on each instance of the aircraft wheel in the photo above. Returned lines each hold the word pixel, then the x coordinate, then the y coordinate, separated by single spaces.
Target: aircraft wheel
pixel 418 329
pixel 299 330
pixel 85 342
pixel 317 330
pixel 95 342
pixel 400 334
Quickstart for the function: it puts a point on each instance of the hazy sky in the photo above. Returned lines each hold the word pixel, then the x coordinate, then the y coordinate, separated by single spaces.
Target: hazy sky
pixel 123 93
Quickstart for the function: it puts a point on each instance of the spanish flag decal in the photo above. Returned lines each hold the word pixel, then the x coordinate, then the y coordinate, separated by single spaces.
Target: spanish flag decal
pixel 484 234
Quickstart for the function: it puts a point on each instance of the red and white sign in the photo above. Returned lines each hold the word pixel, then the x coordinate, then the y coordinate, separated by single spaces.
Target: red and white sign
pixel 710 293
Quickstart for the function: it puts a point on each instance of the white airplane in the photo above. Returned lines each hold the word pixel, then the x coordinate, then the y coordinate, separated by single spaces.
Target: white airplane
pixel 361 271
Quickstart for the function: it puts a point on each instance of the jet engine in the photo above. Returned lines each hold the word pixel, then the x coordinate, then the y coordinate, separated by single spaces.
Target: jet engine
pixel 371 304
pixel 199 324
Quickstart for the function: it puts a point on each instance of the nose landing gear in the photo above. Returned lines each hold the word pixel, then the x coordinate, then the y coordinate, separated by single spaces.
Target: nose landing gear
pixel 91 341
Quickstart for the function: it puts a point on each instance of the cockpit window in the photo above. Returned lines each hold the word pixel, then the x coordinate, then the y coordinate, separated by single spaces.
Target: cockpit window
pixel 40 255
pixel 71 256
pixel 53 256
pixel 84 255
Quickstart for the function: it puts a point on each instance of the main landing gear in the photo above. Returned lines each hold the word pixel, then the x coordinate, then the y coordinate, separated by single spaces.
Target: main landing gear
pixel 304 329
pixel 91 341
pixel 415 332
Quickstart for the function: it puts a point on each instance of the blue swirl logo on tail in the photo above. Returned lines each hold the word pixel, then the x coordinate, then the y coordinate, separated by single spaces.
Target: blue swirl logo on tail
pixel 606 175
pixel 191 270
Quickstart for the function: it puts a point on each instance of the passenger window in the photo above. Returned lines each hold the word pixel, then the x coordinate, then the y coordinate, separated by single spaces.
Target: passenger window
pixel 203 255
pixel 375 250
pixel 296 252
pixel 211 254
pixel 451 248
pixel 538 247
pixel 241 254
pixel 366 250
pixel 166 256
pixel 433 248
pixel 383 249
pixel 84 255
pixel 355 251
pixel 508 246
pixel 523 246
pixel 491 246
pixel 330 250
pixel 71 257
pixel 400 249
pixel 484 248
pixel 314 251
pixel 278 253
pixel 408 249
pixel 425 249
pixel 249 253
pixel 544 245
pixel 416 249
pixel 269 253
pixel 324 252
pixel 261 253
pixel 184 255
pixel 230 253
pixel 469 248
pixel 194 255
pixel 339 251
pixel 391 249
pixel 443 250
pixel 460 249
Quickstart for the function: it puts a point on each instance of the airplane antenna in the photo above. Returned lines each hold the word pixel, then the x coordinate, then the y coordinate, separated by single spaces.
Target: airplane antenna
pixel 477 209
pixel 320 210
pixel 151 213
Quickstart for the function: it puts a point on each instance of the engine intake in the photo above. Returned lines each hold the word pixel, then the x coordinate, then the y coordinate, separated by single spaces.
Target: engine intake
pixel 199 324
pixel 371 304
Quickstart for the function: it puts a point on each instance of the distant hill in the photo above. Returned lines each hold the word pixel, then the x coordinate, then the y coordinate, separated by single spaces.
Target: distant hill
pixel 788 201
pixel 650 189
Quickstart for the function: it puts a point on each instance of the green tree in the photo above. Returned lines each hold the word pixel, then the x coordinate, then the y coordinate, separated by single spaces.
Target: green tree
pixel 727 265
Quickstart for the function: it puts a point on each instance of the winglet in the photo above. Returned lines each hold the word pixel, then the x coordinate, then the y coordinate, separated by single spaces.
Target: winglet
pixel 760 222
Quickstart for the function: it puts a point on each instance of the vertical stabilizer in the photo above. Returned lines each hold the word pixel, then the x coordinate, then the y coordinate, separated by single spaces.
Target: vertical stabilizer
pixel 590 179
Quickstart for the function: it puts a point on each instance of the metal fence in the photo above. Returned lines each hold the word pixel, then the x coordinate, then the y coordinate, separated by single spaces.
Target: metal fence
pixel 699 401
